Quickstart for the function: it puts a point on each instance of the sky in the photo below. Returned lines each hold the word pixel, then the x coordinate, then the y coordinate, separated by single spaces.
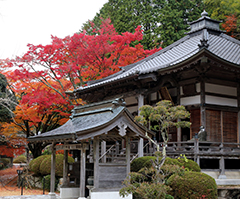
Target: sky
pixel 25 22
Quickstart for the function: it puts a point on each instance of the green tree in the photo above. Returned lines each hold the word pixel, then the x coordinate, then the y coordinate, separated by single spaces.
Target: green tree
pixel 163 22
pixel 162 117
pixel 7 100
pixel 227 11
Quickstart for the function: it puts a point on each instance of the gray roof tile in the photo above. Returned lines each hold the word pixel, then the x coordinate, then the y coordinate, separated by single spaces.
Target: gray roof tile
pixel 218 43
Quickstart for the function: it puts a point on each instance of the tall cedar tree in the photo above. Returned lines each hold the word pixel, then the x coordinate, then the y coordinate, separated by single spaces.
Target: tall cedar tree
pixel 41 77
pixel 163 22
pixel 227 11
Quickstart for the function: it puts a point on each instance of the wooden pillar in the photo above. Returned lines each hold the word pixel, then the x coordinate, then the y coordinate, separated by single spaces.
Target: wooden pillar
pixel 96 161
pixel 52 193
pixel 65 169
pixel 222 168
pixel 179 134
pixel 238 99
pixel 103 150
pixel 140 102
pixel 202 104
pixel 83 171
pixel 128 154
pixel 140 147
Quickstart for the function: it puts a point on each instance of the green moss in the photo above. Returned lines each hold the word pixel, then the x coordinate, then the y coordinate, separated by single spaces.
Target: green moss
pixel 45 166
pixel 20 159
pixel 193 185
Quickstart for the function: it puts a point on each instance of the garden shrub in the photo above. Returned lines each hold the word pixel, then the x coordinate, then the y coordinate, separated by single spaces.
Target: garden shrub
pixel 193 185
pixel 34 164
pixel 138 163
pixel 168 161
pixel 20 159
pixel 153 191
pixel 189 165
pixel 47 182
pixel 45 166
pixel 4 162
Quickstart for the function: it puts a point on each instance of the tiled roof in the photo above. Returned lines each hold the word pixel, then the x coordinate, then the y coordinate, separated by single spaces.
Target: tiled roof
pixel 89 120
pixel 217 43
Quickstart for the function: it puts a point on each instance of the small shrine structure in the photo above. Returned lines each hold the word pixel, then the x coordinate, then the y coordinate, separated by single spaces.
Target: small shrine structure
pixel 91 129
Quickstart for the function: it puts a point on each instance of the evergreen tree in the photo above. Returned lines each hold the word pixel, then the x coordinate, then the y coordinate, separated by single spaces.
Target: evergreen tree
pixel 7 100
pixel 163 22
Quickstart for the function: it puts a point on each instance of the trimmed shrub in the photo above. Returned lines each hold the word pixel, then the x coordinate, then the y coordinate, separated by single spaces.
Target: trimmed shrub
pixel 4 162
pixel 34 164
pixel 168 161
pixel 190 165
pixel 47 182
pixel 45 166
pixel 138 163
pixel 20 159
pixel 193 185
pixel 153 191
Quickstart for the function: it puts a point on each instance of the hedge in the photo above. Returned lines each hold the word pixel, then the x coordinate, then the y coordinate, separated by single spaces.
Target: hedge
pixel 45 166
pixel 193 185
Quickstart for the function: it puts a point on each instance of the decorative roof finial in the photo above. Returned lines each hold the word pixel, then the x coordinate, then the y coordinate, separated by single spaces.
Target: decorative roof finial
pixel 204 14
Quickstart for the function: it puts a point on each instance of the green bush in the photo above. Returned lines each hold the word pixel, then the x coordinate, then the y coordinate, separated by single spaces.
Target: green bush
pixel 193 185
pixel 34 164
pixel 138 163
pixel 4 162
pixel 168 161
pixel 20 159
pixel 47 182
pixel 190 165
pixel 45 166
pixel 153 191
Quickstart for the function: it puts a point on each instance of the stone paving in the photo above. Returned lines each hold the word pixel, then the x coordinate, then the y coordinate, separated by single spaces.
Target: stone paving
pixel 30 197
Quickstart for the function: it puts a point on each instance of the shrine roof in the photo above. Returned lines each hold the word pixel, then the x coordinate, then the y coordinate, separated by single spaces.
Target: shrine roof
pixel 93 120
pixel 204 36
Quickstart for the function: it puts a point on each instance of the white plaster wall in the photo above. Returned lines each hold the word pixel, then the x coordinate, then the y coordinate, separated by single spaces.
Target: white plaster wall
pixel 132 109
pixel 190 100
pixel 220 101
pixel 220 89
pixel 153 96
pixel 198 87
pixel 130 100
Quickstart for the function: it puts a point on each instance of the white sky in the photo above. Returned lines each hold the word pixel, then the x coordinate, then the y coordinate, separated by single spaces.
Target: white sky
pixel 34 21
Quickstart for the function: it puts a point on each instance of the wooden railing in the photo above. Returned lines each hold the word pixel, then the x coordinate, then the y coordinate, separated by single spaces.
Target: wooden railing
pixel 203 149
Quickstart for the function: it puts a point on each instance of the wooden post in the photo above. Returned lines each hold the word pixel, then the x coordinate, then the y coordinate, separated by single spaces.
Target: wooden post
pixel 96 161
pixel 179 134
pixel 83 171
pixel 103 150
pixel 222 165
pixel 196 151
pixel 222 169
pixel 128 154
pixel 202 105
pixel 52 193
pixel 140 102
pixel 65 169
pixel 140 147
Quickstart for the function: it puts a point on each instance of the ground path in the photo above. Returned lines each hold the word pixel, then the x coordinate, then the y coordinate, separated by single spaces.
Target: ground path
pixel 10 190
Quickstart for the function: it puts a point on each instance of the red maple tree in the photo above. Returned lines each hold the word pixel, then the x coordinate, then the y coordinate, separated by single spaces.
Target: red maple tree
pixel 41 76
